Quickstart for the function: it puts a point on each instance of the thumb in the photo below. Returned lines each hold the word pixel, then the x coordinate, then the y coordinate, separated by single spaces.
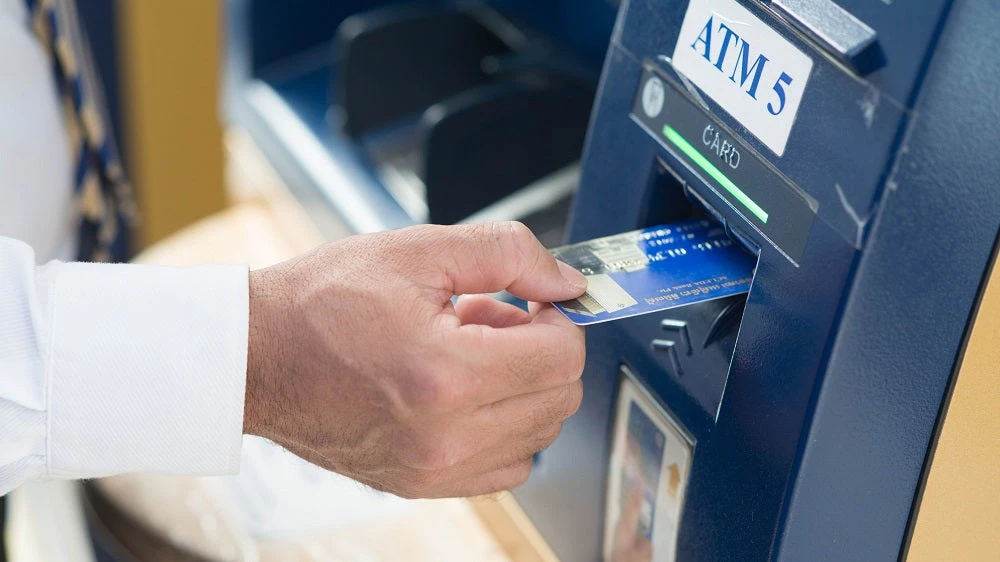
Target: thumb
pixel 492 257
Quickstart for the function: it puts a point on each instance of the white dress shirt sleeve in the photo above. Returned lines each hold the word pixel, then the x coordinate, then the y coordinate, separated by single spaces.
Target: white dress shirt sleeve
pixel 107 369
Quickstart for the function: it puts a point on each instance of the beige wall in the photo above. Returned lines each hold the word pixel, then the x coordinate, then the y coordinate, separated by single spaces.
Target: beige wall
pixel 959 515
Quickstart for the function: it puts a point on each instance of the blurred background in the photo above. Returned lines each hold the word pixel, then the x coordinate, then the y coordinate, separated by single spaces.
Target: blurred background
pixel 373 113
pixel 254 130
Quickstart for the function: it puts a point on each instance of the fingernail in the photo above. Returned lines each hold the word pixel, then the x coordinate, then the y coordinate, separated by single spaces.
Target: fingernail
pixel 572 276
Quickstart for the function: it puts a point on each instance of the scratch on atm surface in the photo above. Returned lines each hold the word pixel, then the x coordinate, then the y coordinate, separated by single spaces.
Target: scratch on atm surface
pixel 859 221
pixel 687 83
pixel 869 104
pixel 904 148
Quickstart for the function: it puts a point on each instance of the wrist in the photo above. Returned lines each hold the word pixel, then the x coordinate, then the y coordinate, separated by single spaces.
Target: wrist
pixel 259 336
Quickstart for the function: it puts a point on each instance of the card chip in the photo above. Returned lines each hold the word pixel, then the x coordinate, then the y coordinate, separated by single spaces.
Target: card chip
pixel 585 305
pixel 608 294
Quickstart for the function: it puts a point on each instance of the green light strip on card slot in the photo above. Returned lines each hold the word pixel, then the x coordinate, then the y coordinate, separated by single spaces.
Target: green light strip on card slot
pixel 734 190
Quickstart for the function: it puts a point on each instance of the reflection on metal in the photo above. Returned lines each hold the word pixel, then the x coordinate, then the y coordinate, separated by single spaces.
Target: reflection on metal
pixel 845 36
pixel 315 159
pixel 406 187
pixel 542 194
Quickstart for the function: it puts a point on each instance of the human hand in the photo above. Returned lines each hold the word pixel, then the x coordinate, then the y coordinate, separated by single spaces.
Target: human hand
pixel 359 363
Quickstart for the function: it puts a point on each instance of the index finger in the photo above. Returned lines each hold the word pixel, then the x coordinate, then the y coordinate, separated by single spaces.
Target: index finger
pixel 548 352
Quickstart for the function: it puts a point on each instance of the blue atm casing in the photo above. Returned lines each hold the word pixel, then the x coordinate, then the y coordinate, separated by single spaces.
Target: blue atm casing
pixel 813 408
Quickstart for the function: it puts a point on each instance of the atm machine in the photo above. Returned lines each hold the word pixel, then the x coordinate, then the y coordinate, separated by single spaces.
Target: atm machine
pixel 851 146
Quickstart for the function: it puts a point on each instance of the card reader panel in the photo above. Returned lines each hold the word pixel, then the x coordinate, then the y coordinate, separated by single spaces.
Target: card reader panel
pixel 745 452
pixel 726 164
pixel 833 390
pixel 840 118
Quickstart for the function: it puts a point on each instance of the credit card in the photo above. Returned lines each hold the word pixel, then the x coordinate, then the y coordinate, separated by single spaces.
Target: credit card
pixel 655 269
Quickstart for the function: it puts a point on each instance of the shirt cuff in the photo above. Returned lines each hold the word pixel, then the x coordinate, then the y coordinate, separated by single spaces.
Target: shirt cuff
pixel 147 369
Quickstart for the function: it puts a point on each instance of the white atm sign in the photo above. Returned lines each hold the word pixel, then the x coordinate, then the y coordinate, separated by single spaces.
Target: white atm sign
pixel 749 69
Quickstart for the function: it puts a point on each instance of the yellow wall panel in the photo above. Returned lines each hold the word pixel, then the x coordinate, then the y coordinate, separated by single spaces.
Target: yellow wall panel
pixel 959 514
pixel 169 54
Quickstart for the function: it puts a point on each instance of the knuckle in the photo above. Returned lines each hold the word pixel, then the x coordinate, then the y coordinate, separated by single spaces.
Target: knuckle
pixel 520 233
pixel 423 481
pixel 547 437
pixel 576 358
pixel 433 452
pixel 419 235
pixel 421 456
pixel 521 474
pixel 395 486
pixel 546 362
pixel 490 239
pixel 489 232
pixel 555 410
pixel 440 457
pixel 554 407
pixel 526 246
pixel 406 493
pixel 574 399
pixel 561 404
pixel 419 484
pixel 430 391
pixel 515 241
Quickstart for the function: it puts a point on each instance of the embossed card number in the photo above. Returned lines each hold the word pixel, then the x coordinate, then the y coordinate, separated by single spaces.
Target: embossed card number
pixel 749 69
